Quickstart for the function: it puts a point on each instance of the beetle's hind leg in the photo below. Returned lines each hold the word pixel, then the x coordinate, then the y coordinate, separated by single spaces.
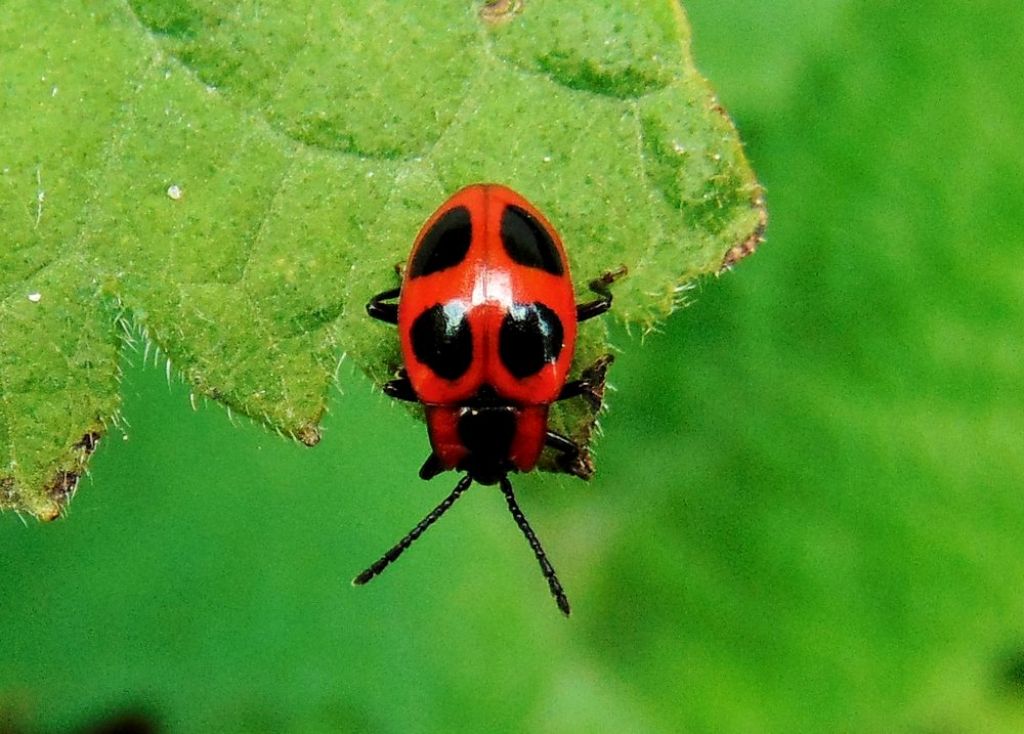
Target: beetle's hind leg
pixel 602 287
pixel 386 312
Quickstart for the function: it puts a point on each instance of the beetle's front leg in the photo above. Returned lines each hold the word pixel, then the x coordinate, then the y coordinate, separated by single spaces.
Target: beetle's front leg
pixel 386 312
pixel 600 286
pixel 400 388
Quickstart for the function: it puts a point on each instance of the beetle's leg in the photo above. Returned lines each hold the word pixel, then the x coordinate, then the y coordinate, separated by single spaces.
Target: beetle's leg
pixel 400 389
pixel 571 458
pixel 591 384
pixel 386 312
pixel 568 449
pixel 581 388
pixel 600 286
pixel 431 467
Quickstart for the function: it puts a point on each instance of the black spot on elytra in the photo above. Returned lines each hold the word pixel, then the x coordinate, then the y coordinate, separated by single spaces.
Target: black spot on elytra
pixel 531 336
pixel 528 243
pixel 444 245
pixel 442 340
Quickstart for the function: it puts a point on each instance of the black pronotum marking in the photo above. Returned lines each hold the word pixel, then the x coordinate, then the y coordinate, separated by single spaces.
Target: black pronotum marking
pixel 531 336
pixel 442 340
pixel 528 243
pixel 444 245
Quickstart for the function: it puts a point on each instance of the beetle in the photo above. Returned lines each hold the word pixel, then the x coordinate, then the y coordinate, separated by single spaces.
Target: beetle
pixel 487 320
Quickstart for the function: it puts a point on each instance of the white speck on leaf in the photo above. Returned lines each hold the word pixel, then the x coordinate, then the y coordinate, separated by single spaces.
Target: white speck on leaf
pixel 174 192
pixel 40 195
pixel 35 297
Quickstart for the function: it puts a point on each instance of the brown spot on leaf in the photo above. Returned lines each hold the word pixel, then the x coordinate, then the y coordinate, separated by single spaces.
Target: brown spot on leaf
pixel 6 492
pixel 88 442
pixel 496 12
pixel 47 502
pixel 750 244
pixel 583 466
pixel 308 434
pixel 61 489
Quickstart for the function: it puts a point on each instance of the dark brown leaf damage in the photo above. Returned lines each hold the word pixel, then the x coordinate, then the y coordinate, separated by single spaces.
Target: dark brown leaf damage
pixel 749 245
pixel 501 11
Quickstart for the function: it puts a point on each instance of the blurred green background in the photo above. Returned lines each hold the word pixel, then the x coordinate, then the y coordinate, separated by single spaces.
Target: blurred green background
pixel 808 515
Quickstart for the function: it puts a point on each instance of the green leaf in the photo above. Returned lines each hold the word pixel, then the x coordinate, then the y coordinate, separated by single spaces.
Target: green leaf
pixel 225 187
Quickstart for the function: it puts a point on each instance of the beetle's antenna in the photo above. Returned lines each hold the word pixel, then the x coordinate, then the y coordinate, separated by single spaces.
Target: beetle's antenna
pixel 545 565
pixel 416 532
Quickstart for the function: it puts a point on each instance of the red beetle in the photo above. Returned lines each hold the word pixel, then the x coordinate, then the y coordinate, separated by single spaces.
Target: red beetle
pixel 487 319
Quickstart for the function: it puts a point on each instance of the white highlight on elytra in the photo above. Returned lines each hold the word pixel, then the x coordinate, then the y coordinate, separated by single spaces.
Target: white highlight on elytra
pixel 494 286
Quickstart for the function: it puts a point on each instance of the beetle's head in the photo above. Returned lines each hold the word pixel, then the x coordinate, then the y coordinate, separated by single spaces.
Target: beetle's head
pixel 486 429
